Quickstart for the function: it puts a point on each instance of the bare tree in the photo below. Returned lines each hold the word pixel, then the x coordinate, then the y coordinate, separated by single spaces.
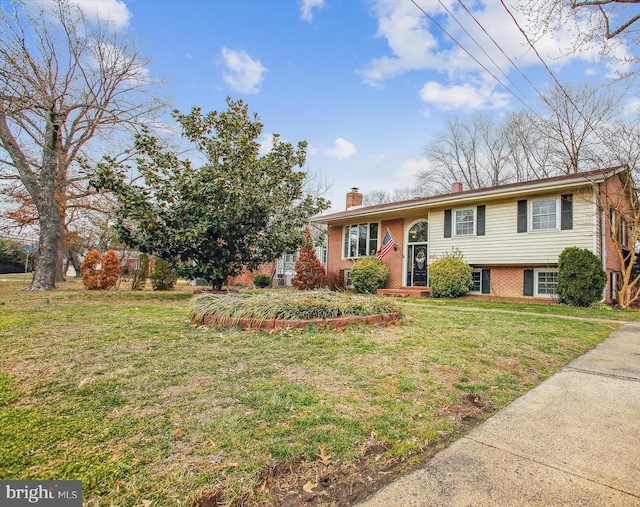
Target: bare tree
pixel 67 85
pixel 607 25
pixel 530 150
pixel 573 116
pixel 473 152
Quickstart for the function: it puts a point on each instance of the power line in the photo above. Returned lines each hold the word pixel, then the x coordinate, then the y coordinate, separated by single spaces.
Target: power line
pixel 501 50
pixel 567 96
pixel 472 57
pixel 480 46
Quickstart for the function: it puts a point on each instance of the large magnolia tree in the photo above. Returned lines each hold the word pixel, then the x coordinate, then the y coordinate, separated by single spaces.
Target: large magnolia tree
pixel 69 86
pixel 236 211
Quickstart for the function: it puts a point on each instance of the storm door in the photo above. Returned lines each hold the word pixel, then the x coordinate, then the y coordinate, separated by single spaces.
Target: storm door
pixel 417 255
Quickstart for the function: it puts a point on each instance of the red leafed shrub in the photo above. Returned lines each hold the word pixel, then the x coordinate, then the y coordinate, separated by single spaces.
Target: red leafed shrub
pixel 310 272
pixel 90 271
pixel 105 277
pixel 110 270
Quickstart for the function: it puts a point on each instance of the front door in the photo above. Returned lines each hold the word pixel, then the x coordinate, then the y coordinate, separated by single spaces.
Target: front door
pixel 417 265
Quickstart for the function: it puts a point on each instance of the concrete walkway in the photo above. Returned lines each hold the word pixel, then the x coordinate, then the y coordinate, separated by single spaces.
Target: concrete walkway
pixel 573 440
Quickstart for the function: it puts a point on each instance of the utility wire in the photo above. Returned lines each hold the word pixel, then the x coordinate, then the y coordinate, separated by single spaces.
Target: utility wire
pixel 567 96
pixel 501 50
pixel 481 48
pixel 472 57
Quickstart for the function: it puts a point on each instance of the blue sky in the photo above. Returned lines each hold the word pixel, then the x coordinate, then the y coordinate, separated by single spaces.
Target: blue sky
pixel 365 83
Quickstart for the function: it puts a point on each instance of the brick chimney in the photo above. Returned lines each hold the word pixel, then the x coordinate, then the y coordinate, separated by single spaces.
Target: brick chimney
pixel 354 198
pixel 456 187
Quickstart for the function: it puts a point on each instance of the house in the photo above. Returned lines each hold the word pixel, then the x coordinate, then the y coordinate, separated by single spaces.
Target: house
pixel 282 270
pixel 511 235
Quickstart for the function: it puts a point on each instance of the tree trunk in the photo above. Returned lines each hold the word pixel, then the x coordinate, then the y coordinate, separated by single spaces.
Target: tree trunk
pixel 44 277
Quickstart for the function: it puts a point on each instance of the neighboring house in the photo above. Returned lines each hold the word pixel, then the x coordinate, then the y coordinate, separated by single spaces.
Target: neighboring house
pixel 511 235
pixel 282 270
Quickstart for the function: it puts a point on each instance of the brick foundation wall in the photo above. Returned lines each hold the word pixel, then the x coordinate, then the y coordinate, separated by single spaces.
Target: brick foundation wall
pixel 508 281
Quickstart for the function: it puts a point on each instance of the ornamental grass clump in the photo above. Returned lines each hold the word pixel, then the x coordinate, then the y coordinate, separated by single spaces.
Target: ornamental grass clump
pixel 287 305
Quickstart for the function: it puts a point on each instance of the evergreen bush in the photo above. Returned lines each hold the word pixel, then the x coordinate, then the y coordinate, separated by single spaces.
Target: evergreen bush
pixel 100 274
pixel 581 279
pixel 310 273
pixel 369 274
pixel 262 281
pixel 90 271
pixel 162 277
pixel 450 276
pixel 110 271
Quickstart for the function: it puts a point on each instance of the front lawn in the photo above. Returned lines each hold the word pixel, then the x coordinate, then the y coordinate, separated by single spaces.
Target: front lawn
pixel 122 391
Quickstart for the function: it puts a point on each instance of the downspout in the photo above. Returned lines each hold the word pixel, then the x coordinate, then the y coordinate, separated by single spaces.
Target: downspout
pixel 603 245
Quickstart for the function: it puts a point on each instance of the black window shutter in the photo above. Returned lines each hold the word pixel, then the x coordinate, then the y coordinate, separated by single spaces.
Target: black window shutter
pixel 522 216
pixel 566 220
pixel 447 223
pixel 528 282
pixel 480 213
pixel 486 281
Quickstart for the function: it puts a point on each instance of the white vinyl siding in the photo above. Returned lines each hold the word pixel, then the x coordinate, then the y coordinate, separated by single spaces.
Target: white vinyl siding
pixel 503 245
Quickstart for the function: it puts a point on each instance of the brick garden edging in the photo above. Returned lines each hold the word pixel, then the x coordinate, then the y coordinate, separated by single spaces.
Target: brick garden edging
pixel 378 319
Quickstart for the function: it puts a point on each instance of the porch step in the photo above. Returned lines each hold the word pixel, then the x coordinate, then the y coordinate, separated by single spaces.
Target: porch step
pixel 405 292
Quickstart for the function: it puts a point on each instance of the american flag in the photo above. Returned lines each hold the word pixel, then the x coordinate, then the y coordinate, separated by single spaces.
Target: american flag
pixel 387 244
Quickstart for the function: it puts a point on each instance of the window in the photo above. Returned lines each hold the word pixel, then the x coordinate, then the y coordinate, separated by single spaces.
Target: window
pixel 347 279
pixel 360 240
pixel 476 274
pixel 546 282
pixel 544 214
pixel 464 222
pixel 481 281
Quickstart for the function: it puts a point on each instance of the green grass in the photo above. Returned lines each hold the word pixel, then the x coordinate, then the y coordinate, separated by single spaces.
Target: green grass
pixel 545 308
pixel 121 391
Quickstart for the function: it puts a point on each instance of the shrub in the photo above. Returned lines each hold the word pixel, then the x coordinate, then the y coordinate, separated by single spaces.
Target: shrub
pixel 90 271
pixel 104 277
pixel 581 278
pixel 110 271
pixel 262 281
pixel 140 275
pixel 335 281
pixel 162 277
pixel 288 304
pixel 369 274
pixel 450 276
pixel 310 272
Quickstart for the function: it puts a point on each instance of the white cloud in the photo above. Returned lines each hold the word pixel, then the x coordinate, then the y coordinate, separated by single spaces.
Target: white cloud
pixel 243 74
pixel 113 11
pixel 632 107
pixel 266 143
pixel 343 149
pixel 463 96
pixel 306 8
pixel 410 41
pixel 410 168
pixel 416 44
